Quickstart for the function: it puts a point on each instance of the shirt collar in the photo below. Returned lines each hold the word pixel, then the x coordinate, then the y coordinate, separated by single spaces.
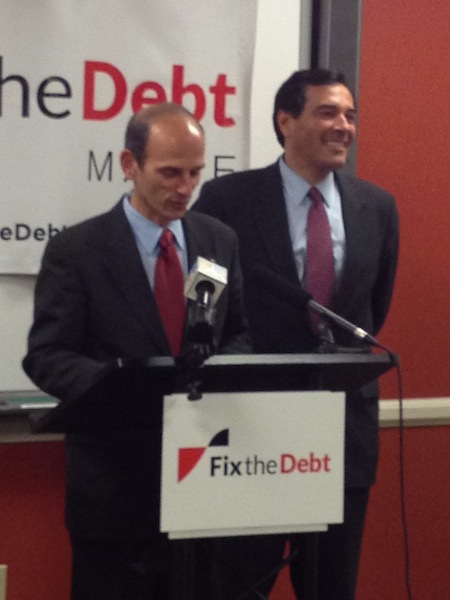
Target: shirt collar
pixel 296 188
pixel 147 232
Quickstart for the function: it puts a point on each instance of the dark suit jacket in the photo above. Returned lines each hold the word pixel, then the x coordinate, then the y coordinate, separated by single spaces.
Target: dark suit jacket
pixel 252 203
pixel 93 304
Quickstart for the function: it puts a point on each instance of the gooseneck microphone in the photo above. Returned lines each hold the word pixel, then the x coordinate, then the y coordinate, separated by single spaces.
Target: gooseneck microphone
pixel 283 289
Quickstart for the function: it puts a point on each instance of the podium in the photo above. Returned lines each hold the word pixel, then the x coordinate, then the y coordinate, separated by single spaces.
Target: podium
pixel 274 398
pixel 145 384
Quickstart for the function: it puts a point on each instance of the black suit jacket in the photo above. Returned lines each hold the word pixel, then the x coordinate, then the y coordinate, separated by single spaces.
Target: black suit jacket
pixel 93 304
pixel 252 203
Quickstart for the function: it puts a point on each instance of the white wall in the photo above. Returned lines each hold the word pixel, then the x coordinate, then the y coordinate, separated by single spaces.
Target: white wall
pixel 282 46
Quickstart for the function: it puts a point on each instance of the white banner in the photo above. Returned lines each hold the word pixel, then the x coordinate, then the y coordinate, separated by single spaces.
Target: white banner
pixel 240 464
pixel 71 74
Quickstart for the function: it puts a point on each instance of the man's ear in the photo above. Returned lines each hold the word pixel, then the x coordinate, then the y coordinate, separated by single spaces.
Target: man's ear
pixel 129 164
pixel 284 120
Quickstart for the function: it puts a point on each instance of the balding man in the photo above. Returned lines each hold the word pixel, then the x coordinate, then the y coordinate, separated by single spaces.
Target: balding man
pixel 97 300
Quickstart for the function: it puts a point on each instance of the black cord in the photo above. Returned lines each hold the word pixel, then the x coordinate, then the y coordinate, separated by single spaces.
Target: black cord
pixel 401 432
pixel 402 483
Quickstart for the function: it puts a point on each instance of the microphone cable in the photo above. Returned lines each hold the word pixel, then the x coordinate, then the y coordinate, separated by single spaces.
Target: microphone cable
pixel 402 482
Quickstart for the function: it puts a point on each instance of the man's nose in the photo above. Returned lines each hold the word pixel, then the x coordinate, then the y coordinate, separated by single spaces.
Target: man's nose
pixel 186 185
pixel 342 122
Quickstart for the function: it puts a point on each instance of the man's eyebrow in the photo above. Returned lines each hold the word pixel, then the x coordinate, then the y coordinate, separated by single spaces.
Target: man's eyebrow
pixel 168 168
pixel 176 169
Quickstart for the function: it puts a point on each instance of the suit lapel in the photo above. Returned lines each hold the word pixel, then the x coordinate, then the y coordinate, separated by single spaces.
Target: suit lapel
pixel 194 240
pixel 271 220
pixel 353 209
pixel 123 263
pixel 197 240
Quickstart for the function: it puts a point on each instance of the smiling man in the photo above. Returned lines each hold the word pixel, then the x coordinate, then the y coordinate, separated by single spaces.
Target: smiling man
pixel 337 236
pixel 97 305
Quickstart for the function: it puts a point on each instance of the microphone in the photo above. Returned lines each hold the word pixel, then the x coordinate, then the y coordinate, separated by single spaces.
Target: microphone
pixel 295 295
pixel 205 282
pixel 204 285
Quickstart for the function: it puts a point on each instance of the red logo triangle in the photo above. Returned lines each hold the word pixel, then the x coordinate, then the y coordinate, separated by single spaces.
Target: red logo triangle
pixel 187 459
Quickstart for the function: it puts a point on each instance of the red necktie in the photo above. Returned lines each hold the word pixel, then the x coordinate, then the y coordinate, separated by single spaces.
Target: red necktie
pixel 169 286
pixel 319 251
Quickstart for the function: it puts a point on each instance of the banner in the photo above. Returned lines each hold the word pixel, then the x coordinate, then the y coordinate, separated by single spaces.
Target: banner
pixel 250 463
pixel 72 72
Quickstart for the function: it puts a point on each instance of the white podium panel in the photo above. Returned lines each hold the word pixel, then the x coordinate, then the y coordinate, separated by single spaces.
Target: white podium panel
pixel 252 463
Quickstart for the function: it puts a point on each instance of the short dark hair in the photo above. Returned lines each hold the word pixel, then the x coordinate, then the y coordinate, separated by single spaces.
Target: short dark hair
pixel 291 97
pixel 139 126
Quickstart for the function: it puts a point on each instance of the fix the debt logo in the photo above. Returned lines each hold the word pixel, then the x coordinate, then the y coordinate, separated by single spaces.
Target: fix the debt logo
pixel 221 465
pixel 189 457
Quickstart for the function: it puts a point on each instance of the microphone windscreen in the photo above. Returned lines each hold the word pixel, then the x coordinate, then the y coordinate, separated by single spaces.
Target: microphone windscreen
pixel 206 271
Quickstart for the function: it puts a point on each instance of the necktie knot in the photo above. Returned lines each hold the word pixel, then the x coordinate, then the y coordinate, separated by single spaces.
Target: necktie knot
pixel 316 197
pixel 166 239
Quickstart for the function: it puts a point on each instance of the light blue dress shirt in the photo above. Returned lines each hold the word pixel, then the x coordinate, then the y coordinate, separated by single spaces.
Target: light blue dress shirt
pixel 297 202
pixel 147 234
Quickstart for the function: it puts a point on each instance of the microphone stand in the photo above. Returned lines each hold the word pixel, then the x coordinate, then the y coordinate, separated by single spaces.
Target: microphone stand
pixel 326 344
pixel 200 346
pixel 190 363
pixel 201 343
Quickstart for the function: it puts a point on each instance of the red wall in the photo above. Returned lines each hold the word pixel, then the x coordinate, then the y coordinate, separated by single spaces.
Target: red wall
pixel 404 145
pixel 428 515
pixel 33 541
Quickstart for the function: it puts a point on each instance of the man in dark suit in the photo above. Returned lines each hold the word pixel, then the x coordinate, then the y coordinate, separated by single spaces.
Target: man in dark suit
pixel 314 119
pixel 95 306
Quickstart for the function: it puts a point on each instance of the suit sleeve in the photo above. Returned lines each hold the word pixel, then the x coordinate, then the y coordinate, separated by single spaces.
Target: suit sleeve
pixel 235 337
pixel 56 360
pixel 384 284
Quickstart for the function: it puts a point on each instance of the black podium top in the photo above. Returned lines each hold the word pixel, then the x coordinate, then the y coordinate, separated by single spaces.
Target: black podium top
pixel 280 372
pixel 130 396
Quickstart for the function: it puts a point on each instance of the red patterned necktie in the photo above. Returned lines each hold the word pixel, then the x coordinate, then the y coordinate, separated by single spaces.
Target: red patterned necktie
pixel 319 251
pixel 169 286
